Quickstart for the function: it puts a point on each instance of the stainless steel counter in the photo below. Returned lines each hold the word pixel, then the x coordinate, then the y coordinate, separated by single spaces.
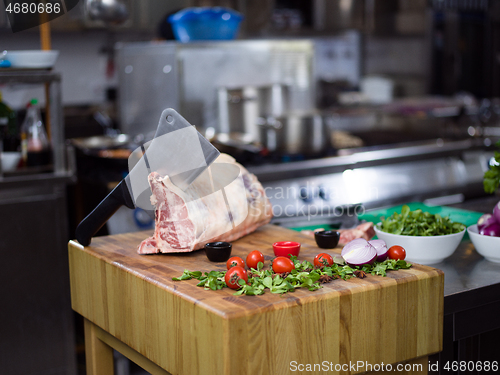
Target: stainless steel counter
pixel 471 302
pixel 471 305
pixel 467 271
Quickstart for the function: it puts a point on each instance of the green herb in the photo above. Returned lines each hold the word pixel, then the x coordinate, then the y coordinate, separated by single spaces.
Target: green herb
pixel 301 266
pixel 491 179
pixel 419 223
pixel 381 268
pixel 344 272
pixel 210 280
pixel 255 288
pixel 188 275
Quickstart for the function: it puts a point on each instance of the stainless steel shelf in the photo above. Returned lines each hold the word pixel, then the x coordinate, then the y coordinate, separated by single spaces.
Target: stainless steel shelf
pixel 315 167
pixel 29 76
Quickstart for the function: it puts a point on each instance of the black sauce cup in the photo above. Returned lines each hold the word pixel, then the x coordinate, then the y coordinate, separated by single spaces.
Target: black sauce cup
pixel 218 251
pixel 327 239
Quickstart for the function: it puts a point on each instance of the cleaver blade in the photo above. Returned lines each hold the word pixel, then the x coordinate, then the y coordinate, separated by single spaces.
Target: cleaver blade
pixel 177 150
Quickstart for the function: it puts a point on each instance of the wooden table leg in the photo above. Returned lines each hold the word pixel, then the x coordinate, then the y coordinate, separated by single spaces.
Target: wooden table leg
pixel 98 355
pixel 99 346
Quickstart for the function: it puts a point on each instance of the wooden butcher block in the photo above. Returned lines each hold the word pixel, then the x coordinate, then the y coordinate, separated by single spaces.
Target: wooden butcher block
pixel 188 330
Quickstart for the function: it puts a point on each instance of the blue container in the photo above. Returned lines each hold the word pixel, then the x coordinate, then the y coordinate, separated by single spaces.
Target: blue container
pixel 205 23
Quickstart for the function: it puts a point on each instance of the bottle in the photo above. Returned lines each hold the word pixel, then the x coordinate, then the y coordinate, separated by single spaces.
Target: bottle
pixel 35 145
pixel 8 128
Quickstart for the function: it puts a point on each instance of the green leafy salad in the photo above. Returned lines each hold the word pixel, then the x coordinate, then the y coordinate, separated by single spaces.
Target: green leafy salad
pixel 419 223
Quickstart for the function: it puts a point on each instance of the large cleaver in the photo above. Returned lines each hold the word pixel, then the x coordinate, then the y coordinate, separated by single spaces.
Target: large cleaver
pixel 177 150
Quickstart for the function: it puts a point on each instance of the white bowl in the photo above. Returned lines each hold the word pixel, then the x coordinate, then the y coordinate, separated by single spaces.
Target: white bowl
pixel 32 58
pixel 423 249
pixel 487 246
pixel 10 161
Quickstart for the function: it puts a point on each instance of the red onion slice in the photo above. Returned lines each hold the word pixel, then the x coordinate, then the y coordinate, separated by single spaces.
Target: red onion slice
pixel 381 248
pixel 485 220
pixel 491 230
pixel 496 212
pixel 359 252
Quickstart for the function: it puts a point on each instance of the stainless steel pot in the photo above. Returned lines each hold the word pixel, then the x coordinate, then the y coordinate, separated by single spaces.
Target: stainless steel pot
pixel 294 134
pixel 238 110
pixel 273 100
pixel 110 11
pixel 240 107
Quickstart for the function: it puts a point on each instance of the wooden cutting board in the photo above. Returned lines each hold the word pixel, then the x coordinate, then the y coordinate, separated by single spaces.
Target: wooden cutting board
pixel 188 330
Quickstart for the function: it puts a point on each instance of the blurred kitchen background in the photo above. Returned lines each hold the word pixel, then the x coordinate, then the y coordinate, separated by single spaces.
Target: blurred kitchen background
pixel 337 106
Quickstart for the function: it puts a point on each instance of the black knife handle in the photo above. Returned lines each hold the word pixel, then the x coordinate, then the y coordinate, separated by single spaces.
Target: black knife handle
pixel 94 221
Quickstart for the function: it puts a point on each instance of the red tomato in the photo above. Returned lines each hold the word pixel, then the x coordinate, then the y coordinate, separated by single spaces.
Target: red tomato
pixel 233 275
pixel 253 258
pixel 323 259
pixel 282 264
pixel 235 261
pixel 396 252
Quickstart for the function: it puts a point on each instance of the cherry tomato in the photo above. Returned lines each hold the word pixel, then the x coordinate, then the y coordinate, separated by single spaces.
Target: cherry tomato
pixel 235 261
pixel 323 259
pixel 282 264
pixel 396 252
pixel 253 258
pixel 233 275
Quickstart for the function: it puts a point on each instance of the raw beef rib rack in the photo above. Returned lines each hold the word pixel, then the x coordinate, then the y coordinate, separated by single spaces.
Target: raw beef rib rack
pixel 207 210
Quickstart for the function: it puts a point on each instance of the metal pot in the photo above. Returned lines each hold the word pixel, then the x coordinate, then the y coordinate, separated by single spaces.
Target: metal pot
pixel 305 134
pixel 273 100
pixel 238 110
pixel 109 11
pixel 240 107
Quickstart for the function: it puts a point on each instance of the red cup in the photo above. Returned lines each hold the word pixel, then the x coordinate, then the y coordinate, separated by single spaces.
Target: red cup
pixel 286 248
